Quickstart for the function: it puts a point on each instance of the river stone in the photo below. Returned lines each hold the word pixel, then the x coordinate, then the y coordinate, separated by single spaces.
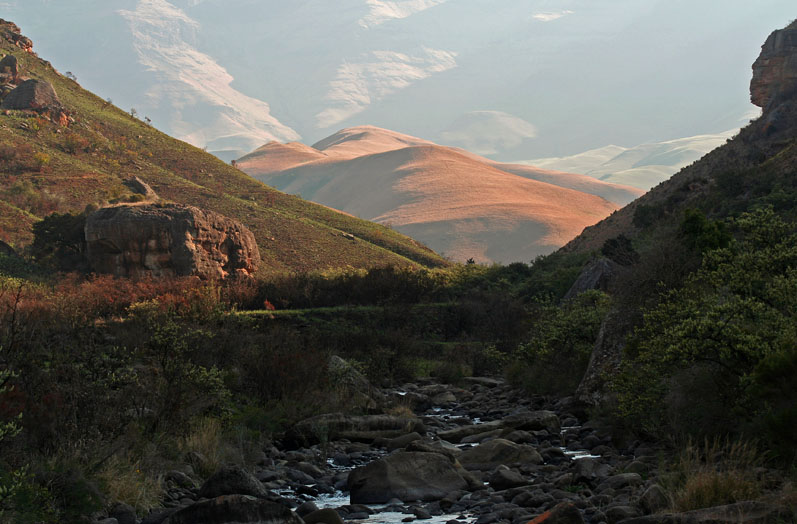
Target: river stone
pixel 123 513
pixel 407 476
pixel 475 439
pixel 337 426
pixel 533 421
pixel 587 470
pixel 504 478
pixel 235 509
pixel 620 481
pixel 653 499
pixel 562 513
pixel 499 451
pixel 232 480
pixel 323 516
pixel 158 516
pixel 616 514
pixel 457 434
pixel 402 441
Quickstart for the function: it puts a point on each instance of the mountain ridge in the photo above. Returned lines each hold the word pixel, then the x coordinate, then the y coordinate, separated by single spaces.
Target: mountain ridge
pixel 447 197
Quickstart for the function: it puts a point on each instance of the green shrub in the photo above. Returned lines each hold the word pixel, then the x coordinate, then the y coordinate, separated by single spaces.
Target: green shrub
pixel 556 355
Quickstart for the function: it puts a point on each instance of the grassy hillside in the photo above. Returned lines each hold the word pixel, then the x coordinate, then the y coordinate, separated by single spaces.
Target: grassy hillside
pixel 45 168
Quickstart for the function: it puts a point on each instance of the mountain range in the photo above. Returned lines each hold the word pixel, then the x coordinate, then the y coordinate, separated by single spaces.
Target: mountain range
pixel 458 203
pixel 513 80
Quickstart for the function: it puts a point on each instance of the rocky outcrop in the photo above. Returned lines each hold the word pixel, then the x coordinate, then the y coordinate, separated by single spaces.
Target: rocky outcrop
pixel 597 274
pixel 406 476
pixel 36 95
pixel 155 240
pixel 11 32
pixel 775 70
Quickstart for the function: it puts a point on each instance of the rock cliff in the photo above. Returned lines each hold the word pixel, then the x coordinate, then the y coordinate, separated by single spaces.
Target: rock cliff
pixel 168 240
pixel 775 70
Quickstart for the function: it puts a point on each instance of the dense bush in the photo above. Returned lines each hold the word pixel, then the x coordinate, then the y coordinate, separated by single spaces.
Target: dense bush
pixel 556 355
pixel 725 334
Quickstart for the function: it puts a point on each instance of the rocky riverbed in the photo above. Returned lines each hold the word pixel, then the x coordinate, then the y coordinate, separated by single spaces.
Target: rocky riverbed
pixel 481 453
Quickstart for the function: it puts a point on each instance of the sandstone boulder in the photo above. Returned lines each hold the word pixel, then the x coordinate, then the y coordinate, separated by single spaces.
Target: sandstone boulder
pixel 9 70
pixel 168 240
pixel 33 94
pixel 336 426
pixel 775 69
pixel 139 187
pixel 238 509
pixel 407 476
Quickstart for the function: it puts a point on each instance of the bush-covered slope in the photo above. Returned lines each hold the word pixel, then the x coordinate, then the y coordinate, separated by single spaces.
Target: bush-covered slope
pixel 46 167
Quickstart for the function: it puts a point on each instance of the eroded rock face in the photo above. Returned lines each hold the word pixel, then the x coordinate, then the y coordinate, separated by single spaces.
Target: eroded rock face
pixel 168 240
pixel 36 95
pixel 775 70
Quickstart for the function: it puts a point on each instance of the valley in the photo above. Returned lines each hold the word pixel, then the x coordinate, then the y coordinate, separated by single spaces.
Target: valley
pixel 184 343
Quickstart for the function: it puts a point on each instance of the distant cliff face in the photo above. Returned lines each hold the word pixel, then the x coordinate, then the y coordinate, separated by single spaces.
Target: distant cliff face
pixel 169 240
pixel 775 70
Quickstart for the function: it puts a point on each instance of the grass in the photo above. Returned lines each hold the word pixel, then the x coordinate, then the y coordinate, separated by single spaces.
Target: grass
pixel 125 480
pixel 105 145
pixel 205 442
pixel 714 473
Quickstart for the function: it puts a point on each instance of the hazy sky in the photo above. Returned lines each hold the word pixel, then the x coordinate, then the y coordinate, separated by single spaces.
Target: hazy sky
pixel 515 79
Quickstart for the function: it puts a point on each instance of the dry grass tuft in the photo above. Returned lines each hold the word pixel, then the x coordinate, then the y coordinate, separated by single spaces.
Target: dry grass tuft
pixel 204 444
pixel 127 482
pixel 400 411
pixel 715 473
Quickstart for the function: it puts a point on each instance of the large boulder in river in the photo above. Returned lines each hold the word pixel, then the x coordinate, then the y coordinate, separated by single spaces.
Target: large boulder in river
pixel 493 453
pixel 336 426
pixel 238 509
pixel 406 476
pixel 164 240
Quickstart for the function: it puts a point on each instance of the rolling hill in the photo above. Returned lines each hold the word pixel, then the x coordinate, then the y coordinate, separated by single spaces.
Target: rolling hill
pixel 47 167
pixel 643 166
pixel 460 204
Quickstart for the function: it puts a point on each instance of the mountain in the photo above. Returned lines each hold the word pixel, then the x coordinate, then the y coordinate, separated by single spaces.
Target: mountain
pixel 516 79
pixel 459 203
pixel 82 151
pixel 643 166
